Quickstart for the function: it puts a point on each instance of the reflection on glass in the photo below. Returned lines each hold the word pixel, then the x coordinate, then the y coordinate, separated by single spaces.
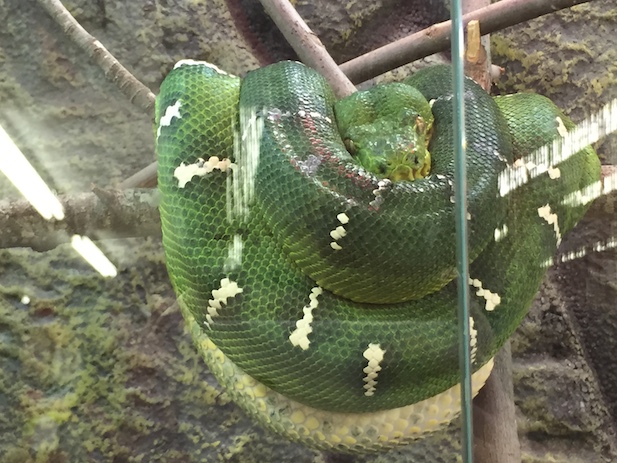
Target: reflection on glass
pixel 93 255
pixel 20 172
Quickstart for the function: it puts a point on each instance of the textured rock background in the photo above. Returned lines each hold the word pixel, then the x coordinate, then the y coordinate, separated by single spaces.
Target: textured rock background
pixel 101 370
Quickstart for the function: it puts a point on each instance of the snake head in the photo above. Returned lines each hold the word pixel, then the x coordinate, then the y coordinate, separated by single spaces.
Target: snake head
pixel 393 148
pixel 387 130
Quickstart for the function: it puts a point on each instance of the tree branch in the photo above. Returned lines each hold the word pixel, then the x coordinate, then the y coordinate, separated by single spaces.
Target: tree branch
pixel 307 45
pixel 145 178
pixel 436 38
pixel 101 214
pixel 133 89
pixel 494 415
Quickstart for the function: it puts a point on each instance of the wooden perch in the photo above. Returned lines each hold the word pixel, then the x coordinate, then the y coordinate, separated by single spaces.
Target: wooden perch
pixel 436 38
pixel 133 89
pixel 101 214
pixel 307 45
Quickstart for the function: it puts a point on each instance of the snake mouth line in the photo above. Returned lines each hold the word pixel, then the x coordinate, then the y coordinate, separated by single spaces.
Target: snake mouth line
pixel 405 172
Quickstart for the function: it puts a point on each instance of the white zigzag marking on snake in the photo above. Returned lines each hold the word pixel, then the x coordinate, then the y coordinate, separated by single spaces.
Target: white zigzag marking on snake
pixel 228 289
pixel 192 62
pixel 171 112
pixel 501 233
pixel 185 172
pixel 374 354
pixel 552 219
pixel 382 186
pixel 473 341
pixel 339 232
pixel 554 173
pixel 492 299
pixel 299 336
pixel 561 127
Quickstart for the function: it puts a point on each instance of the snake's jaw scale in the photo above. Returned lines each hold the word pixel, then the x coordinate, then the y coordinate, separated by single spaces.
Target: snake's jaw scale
pixel 322 296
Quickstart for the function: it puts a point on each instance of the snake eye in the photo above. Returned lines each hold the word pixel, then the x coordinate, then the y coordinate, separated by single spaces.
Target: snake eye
pixel 419 125
pixel 349 144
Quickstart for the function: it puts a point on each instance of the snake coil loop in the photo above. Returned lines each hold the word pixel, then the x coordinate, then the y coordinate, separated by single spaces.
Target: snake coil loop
pixel 323 296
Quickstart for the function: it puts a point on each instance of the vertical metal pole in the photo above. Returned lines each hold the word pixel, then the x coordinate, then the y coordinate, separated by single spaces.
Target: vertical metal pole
pixel 460 214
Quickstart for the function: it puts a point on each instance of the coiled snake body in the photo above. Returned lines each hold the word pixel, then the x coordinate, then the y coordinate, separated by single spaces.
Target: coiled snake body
pixel 322 295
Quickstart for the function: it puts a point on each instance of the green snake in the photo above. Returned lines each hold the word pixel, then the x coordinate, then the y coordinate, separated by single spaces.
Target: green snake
pixel 317 272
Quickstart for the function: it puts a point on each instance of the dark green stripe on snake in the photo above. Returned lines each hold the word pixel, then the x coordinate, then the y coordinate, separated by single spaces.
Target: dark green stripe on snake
pixel 391 282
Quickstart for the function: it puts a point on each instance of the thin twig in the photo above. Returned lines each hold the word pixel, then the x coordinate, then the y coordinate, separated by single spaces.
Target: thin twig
pixel 133 89
pixel 436 38
pixel 145 178
pixel 307 45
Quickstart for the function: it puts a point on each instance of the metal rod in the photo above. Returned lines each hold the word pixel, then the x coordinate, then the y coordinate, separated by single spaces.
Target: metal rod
pixel 460 213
